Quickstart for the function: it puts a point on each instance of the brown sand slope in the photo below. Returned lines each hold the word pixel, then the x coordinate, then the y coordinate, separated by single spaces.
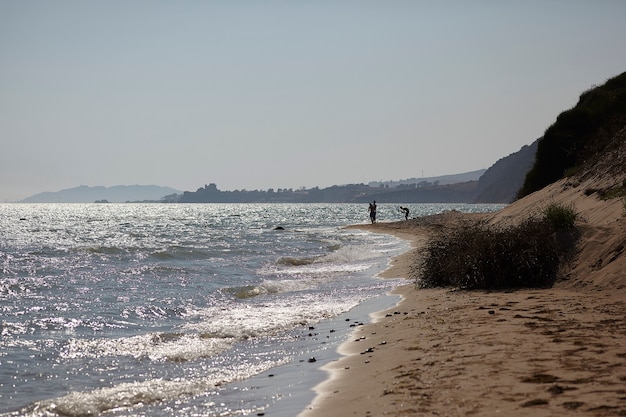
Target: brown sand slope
pixel 600 263
pixel 560 351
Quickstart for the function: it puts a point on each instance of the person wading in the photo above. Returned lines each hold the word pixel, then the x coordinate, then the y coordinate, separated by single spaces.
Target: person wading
pixel 373 212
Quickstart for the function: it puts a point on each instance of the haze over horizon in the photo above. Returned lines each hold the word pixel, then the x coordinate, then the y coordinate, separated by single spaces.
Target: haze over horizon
pixel 258 95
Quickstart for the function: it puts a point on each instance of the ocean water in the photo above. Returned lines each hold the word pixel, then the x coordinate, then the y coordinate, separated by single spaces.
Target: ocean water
pixel 181 310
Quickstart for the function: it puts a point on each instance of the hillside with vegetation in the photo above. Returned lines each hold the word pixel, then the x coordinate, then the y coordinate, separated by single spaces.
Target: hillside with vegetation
pixel 582 137
pixel 568 228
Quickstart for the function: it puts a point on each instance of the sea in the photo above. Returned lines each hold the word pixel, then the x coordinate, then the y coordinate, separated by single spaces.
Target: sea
pixel 184 309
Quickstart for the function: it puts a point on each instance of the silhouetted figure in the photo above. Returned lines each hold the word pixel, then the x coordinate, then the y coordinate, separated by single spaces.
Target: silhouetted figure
pixel 373 212
pixel 406 212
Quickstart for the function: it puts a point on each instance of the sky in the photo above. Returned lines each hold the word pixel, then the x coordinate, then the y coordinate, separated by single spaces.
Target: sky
pixel 286 94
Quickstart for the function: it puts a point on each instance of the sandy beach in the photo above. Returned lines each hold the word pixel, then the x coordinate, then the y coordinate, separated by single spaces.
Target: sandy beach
pixel 534 352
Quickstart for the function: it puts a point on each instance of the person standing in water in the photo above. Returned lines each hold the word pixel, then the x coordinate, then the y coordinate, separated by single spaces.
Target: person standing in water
pixel 373 212
pixel 406 212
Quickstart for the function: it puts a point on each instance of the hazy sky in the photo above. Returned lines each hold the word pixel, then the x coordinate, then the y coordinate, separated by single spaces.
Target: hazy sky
pixel 286 94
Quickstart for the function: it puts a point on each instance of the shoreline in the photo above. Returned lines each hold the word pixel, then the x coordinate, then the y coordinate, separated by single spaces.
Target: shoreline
pixel 529 352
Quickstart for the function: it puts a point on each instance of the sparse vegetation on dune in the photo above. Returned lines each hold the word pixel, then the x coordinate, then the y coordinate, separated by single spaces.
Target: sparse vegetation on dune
pixel 588 145
pixel 473 255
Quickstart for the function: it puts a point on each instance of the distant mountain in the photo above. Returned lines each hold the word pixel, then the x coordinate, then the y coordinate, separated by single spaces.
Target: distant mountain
pixel 501 182
pixel 441 180
pixel 116 194
pixel 498 184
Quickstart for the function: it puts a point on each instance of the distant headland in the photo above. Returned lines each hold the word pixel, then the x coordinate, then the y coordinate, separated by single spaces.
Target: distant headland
pixel 498 184
pixel 99 194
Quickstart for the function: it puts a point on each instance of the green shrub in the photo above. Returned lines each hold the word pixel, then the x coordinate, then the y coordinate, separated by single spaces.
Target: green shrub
pixel 560 217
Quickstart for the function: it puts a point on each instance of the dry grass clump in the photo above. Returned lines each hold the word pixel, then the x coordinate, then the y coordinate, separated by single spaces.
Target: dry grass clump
pixel 476 256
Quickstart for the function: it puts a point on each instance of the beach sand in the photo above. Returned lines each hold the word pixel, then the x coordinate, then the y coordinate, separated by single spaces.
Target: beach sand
pixel 535 352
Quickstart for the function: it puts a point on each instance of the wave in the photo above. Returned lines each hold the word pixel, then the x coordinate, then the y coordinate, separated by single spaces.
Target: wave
pixel 242 321
pixel 158 347
pixel 288 260
pixel 269 287
pixel 250 291
pixel 131 394
pixel 183 253
pixel 324 268
pixel 105 250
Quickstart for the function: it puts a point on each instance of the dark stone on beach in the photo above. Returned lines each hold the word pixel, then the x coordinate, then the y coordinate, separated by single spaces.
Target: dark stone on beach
pixel 573 405
pixel 332 330
pixel 311 360
pixel 533 403
pixel 540 379
pixel 559 389
pixel 311 328
pixel 492 312
pixel 270 375
pixel 279 228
